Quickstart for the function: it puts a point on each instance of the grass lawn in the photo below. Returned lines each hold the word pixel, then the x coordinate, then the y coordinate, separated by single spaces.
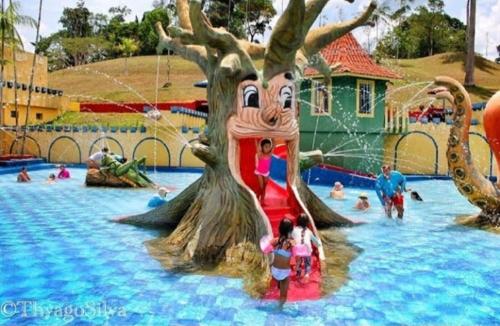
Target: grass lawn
pixel 107 80
pixel 101 119
pixel 487 74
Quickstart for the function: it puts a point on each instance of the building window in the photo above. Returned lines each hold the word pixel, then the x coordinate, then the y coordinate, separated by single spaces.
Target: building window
pixel 321 99
pixel 13 114
pixel 365 98
pixel 39 116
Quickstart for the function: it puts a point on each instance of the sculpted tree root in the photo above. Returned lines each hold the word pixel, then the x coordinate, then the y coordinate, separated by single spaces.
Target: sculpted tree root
pixel 169 214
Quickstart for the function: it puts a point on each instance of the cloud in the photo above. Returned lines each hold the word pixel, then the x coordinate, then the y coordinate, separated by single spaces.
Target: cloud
pixel 488 28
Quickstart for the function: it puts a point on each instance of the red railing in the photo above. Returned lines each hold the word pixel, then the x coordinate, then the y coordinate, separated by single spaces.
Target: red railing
pixel 138 107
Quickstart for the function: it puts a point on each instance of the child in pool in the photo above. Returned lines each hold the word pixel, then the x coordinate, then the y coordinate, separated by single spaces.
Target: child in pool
pixel 362 204
pixel 280 268
pixel 23 175
pixel 303 238
pixel 263 159
pixel 63 172
pixel 159 199
pixel 398 201
pixel 51 179
pixel 337 191
pixel 416 196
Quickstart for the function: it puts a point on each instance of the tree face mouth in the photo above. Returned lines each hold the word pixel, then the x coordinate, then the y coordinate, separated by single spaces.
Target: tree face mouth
pixel 255 163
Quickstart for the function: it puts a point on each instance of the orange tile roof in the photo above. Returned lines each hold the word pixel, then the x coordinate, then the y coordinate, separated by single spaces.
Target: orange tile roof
pixel 352 58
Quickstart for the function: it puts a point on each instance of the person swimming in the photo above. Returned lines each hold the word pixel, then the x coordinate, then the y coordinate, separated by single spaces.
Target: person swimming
pixel 415 196
pixel 280 268
pixel 63 172
pixel 159 199
pixel 23 175
pixel 337 191
pixel 51 179
pixel 362 204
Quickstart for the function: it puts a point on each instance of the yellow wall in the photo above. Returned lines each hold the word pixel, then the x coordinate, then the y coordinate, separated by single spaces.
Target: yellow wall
pixel 74 147
pixel 416 152
pixel 50 106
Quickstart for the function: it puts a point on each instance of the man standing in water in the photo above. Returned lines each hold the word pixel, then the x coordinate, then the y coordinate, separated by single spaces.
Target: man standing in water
pixel 389 187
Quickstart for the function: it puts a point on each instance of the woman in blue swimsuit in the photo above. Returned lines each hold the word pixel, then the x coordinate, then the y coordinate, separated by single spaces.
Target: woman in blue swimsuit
pixel 280 268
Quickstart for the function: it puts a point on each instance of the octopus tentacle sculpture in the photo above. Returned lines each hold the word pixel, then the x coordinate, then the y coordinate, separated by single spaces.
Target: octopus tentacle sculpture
pixel 219 215
pixel 469 181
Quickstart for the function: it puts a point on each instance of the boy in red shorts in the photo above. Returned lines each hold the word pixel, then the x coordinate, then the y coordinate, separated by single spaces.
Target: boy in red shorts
pixel 398 201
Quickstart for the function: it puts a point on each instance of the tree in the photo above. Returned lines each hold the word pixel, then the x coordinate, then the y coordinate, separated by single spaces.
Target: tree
pixel 219 218
pixel 99 23
pixel 381 15
pixel 436 8
pixel 82 50
pixel 128 47
pixel 258 15
pixel 119 13
pixel 423 33
pixel 471 37
pixel 227 14
pixel 146 31
pixel 32 75
pixel 76 21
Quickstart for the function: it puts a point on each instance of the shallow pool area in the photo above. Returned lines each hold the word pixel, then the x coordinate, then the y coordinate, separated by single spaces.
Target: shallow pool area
pixel 63 261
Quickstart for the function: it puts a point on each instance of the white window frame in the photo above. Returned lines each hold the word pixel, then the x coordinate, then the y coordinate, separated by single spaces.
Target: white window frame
pixel 371 114
pixel 314 84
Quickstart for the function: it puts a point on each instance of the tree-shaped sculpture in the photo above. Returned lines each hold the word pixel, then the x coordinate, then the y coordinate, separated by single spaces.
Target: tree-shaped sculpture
pixel 219 215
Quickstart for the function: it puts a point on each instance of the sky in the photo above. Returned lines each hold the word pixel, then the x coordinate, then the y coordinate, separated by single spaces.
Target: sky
pixel 487 17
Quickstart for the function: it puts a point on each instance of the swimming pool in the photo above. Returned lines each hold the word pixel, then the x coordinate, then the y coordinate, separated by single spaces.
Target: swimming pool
pixel 60 253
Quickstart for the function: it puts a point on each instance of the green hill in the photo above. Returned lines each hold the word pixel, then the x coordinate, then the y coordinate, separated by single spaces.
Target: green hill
pixel 487 73
pixel 107 79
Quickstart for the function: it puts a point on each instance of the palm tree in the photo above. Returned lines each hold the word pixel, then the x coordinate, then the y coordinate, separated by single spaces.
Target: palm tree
pixel 9 20
pixel 381 15
pixel 128 47
pixel 30 87
pixel 399 14
pixel 471 34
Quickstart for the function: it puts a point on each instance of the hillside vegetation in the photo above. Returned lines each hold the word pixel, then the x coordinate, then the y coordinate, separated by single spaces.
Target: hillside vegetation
pixel 107 80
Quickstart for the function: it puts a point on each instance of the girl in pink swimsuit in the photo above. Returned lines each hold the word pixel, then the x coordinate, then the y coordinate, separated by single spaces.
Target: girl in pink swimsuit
pixel 263 166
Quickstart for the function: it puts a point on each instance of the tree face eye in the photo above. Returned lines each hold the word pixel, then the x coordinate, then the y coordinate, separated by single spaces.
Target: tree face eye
pixel 286 97
pixel 251 97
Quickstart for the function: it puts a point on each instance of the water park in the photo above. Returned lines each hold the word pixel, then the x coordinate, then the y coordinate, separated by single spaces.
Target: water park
pixel 221 181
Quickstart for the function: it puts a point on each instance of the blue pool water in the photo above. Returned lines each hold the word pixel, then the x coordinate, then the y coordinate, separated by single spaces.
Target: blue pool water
pixel 63 262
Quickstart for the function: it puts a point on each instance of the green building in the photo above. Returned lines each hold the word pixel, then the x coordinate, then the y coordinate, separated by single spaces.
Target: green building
pixel 346 119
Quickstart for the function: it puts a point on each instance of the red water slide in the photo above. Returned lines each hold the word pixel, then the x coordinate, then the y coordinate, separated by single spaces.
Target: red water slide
pixel 278 203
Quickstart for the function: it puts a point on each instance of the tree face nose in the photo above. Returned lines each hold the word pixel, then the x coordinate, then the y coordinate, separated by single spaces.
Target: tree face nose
pixel 271 114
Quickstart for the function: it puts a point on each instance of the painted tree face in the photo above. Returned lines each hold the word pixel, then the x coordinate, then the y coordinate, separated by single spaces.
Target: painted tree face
pixel 265 112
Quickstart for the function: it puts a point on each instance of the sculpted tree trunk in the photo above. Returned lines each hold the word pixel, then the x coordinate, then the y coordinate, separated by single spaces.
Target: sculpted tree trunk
pixel 219 217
